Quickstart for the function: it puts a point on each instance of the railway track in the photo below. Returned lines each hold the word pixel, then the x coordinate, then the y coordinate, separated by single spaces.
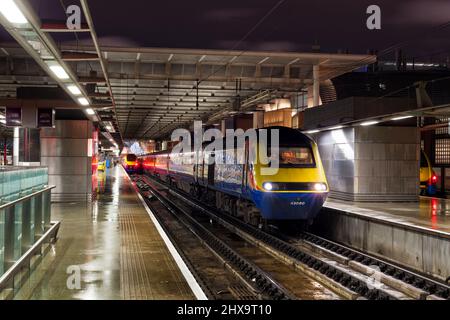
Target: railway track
pixel 244 280
pixel 239 254
pixel 352 274
pixel 415 285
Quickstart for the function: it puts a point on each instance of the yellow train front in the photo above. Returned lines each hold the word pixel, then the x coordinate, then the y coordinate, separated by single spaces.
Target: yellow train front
pixel 296 190
pixel 428 178
pixel 299 189
pixel 131 163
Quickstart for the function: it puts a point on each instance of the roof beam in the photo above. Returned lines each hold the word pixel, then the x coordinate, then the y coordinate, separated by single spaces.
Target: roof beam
pixel 78 56
pixel 59 26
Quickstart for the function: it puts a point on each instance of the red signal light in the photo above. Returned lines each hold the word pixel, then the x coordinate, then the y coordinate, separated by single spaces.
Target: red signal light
pixel 433 179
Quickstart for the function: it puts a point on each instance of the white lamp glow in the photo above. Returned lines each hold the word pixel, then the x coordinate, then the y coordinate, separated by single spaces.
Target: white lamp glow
pixel 368 123
pixel 401 118
pixel 11 12
pixel 59 71
pixel 74 89
pixel 83 101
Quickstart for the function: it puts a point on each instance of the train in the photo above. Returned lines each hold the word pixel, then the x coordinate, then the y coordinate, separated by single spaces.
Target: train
pixel 428 178
pixel 296 192
pixel 131 163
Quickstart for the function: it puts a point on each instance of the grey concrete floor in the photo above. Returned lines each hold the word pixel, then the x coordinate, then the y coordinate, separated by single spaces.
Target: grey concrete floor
pixel 431 213
pixel 112 245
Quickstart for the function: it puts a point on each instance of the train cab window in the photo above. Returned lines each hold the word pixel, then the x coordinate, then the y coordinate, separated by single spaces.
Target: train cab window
pixel 296 157
pixel 131 157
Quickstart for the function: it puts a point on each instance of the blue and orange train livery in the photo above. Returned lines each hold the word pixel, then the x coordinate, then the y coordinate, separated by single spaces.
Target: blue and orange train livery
pixel 296 191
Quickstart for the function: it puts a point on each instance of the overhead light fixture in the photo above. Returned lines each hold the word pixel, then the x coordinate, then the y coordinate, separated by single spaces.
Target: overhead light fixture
pixel 401 118
pixel 59 71
pixel 83 101
pixel 2 116
pixel 74 89
pixel 109 128
pixel 312 131
pixel 11 12
pixel 90 111
pixel 336 128
pixel 3 121
pixel 368 123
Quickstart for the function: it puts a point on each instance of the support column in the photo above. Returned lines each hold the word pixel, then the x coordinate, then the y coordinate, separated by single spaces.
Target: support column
pixel 316 86
pixel 67 151
pixel 258 119
pixel 26 149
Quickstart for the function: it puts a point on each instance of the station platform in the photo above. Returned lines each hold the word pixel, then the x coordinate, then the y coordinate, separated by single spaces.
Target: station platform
pixel 429 214
pixel 413 234
pixel 115 248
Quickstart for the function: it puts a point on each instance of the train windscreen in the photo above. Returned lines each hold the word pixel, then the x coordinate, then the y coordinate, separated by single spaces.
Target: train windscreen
pixel 296 157
pixel 131 157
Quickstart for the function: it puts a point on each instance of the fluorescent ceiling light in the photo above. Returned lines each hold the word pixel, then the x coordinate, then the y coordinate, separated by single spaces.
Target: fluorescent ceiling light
pixel 2 116
pixel 59 71
pixel 312 131
pixel 335 128
pixel 401 118
pixel 12 13
pixel 90 111
pixel 3 121
pixel 368 123
pixel 83 101
pixel 74 89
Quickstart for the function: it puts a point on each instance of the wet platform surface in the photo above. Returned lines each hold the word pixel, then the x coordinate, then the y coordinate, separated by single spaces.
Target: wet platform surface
pixel 428 213
pixel 114 247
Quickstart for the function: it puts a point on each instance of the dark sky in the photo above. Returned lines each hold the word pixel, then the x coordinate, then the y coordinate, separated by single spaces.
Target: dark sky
pixel 294 26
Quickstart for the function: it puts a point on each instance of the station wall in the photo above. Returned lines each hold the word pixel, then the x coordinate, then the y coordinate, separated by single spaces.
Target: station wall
pixel 371 163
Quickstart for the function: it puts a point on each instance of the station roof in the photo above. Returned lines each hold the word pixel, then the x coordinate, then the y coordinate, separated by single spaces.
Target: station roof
pixel 148 92
pixel 155 89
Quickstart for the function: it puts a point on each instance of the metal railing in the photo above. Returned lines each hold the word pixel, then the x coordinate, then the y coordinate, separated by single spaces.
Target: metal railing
pixel 24 227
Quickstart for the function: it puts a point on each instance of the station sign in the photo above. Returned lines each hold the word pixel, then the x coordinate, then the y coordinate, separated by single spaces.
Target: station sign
pixel 13 117
pixel 45 118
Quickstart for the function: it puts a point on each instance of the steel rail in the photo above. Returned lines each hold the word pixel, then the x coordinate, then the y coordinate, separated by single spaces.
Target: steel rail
pixel 250 271
pixel 297 255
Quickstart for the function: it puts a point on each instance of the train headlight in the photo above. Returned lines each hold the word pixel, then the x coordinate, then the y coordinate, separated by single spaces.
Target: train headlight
pixel 267 186
pixel 320 187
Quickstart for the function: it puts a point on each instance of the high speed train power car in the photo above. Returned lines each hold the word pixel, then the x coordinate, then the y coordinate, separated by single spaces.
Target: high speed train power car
pixel 296 191
pixel 131 164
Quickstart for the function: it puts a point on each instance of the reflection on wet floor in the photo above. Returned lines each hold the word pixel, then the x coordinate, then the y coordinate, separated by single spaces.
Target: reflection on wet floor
pixel 107 249
pixel 433 213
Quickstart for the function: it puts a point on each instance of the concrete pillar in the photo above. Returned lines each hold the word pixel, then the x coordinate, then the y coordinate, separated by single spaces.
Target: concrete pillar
pixel 223 127
pixel 371 163
pixel 258 119
pixel 316 86
pixel 16 147
pixel 26 149
pixel 67 151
